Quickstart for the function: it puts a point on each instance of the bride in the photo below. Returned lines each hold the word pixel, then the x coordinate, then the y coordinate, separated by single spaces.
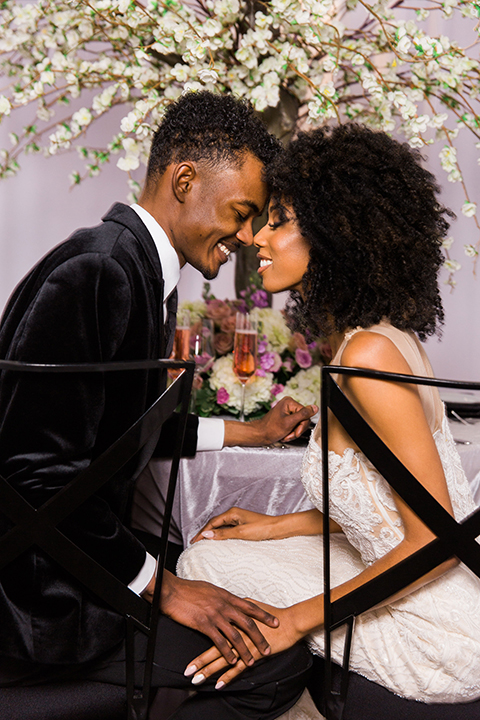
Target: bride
pixel 354 232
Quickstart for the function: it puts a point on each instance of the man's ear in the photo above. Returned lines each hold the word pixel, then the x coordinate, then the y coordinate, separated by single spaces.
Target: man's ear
pixel 182 178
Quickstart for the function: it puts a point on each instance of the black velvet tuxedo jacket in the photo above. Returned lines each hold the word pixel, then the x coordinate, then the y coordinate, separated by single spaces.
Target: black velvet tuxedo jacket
pixel 96 297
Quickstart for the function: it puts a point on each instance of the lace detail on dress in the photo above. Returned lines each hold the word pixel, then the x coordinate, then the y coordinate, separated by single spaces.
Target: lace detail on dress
pixel 361 501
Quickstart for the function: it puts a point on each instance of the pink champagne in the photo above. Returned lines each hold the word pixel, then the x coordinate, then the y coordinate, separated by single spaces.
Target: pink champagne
pixel 181 344
pixel 245 354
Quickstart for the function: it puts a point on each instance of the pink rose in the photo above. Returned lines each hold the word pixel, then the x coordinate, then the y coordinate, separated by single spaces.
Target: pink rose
pixel 288 364
pixel 270 361
pixel 325 349
pixel 277 388
pixel 299 341
pixel 223 343
pixel 262 346
pixel 222 396
pixel 217 309
pixel 228 324
pixel 303 358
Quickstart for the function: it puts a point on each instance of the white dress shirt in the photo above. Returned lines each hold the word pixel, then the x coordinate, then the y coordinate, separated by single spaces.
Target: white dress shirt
pixel 211 431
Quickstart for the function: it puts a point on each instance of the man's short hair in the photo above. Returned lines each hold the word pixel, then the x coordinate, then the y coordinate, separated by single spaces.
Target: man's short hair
pixel 212 128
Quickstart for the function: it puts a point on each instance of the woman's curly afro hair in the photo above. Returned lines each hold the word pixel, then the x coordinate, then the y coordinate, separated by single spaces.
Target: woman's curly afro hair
pixel 370 213
pixel 209 127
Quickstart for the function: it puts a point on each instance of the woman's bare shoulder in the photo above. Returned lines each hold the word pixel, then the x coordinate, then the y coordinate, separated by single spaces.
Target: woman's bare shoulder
pixel 375 351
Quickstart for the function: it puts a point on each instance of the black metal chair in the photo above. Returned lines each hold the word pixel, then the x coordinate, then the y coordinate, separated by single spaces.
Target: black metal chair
pixel 87 700
pixel 339 693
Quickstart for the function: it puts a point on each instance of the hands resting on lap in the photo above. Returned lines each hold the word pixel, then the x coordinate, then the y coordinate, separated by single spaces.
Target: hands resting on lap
pixel 227 620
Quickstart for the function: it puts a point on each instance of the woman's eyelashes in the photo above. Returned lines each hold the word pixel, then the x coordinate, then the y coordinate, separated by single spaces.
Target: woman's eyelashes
pixel 278 216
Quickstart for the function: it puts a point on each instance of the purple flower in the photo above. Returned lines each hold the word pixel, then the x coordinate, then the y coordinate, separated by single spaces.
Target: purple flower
pixel 288 364
pixel 270 361
pixel 260 372
pixel 262 346
pixel 276 389
pixel 222 396
pixel 312 345
pixel 259 299
pixel 303 358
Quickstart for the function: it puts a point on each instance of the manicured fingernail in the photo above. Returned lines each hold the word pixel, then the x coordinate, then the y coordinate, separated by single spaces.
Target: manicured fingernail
pixel 191 670
pixel 209 534
pixel 198 679
pixel 219 685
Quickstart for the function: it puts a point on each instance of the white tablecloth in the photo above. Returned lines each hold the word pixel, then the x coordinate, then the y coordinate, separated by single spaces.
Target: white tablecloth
pixel 263 479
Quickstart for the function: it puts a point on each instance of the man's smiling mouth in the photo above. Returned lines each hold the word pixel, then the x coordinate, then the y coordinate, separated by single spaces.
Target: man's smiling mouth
pixel 224 249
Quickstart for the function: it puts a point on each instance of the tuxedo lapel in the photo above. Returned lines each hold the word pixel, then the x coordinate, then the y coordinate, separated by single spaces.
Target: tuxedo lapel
pixel 124 215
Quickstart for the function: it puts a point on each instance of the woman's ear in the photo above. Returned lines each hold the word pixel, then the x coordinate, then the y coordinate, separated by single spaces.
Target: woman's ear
pixel 182 178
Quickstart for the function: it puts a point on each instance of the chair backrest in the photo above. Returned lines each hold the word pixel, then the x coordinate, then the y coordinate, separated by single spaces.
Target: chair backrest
pixel 39 525
pixel 452 538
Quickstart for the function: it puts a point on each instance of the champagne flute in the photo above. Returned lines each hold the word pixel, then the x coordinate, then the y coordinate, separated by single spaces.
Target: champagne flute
pixel 181 343
pixel 202 351
pixel 245 352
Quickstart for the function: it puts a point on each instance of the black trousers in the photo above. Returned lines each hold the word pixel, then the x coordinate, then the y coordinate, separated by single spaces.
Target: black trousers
pixel 264 691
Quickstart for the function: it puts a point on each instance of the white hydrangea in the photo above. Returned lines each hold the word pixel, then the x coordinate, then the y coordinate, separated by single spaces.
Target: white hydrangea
pixel 272 324
pixel 304 387
pixel 257 389
pixel 196 308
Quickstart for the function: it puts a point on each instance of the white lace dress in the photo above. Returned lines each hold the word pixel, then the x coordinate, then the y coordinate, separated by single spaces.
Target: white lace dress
pixel 425 646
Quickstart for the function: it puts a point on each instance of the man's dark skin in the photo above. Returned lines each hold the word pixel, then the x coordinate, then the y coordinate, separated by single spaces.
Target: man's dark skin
pixel 207 213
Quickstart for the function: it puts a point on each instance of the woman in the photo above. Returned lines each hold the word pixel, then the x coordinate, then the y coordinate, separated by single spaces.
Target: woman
pixel 355 232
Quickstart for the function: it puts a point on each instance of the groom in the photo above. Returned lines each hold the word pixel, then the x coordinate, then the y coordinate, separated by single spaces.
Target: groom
pixel 107 294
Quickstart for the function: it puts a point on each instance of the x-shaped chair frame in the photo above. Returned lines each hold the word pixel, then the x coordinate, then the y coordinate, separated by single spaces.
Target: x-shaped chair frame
pixel 452 538
pixel 39 525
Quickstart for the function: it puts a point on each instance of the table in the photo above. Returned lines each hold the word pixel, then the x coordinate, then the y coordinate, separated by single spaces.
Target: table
pixel 263 479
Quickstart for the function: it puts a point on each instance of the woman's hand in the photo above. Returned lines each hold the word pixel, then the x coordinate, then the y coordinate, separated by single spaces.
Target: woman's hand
pixel 211 662
pixel 240 524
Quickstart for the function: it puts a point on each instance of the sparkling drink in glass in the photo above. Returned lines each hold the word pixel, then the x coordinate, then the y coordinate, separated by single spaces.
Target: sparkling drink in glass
pixel 245 352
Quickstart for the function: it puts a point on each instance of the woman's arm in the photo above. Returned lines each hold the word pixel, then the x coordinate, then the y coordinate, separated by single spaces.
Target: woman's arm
pixel 249 525
pixel 396 414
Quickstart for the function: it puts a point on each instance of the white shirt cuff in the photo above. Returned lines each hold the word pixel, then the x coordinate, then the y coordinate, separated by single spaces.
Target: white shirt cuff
pixel 210 434
pixel 148 570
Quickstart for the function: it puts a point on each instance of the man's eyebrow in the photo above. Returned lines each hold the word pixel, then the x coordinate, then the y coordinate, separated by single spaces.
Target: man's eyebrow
pixel 253 206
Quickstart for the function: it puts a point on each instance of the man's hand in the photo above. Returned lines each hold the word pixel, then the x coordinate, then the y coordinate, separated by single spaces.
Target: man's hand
pixel 218 614
pixel 281 638
pixel 286 421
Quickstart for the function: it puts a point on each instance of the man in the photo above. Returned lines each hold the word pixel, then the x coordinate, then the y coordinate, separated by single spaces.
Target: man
pixel 106 294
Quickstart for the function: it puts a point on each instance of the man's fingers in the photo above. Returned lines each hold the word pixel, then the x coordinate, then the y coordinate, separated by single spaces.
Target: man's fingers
pixel 224 642
pixel 237 641
pixel 254 611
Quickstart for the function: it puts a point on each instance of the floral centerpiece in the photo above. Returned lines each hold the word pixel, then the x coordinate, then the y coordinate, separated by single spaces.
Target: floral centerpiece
pixel 288 362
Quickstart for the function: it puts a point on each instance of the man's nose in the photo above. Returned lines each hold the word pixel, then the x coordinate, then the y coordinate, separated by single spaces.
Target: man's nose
pixel 245 234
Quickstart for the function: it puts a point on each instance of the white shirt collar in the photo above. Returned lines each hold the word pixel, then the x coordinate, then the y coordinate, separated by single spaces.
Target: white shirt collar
pixel 167 254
